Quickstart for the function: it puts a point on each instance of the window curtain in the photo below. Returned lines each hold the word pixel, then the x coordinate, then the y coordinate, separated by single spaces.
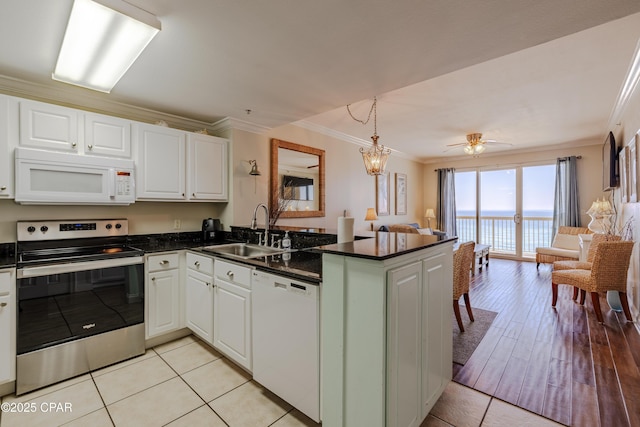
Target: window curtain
pixel 447 201
pixel 566 207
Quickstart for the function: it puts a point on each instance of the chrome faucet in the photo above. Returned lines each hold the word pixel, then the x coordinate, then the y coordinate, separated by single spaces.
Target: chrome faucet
pixel 254 222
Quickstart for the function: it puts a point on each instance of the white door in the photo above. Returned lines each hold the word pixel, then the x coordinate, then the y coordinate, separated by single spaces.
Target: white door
pixel 164 302
pixel 232 322
pixel 107 136
pixel 199 304
pixel 6 159
pixel 404 345
pixel 48 126
pixel 208 167
pixel 161 163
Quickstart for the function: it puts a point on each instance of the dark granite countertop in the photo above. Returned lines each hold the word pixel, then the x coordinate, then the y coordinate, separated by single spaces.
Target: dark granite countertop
pixel 7 255
pixel 305 265
pixel 385 245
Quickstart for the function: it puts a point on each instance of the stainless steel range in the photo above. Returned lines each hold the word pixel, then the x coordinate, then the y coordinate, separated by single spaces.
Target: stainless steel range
pixel 80 292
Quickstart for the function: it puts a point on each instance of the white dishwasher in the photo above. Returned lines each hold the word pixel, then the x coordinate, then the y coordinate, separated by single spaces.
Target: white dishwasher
pixel 286 340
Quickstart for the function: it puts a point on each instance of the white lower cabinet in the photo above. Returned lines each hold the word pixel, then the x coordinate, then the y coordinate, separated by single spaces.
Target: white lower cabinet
pixel 232 312
pixel 7 326
pixel 163 294
pixel 199 296
pixel 419 342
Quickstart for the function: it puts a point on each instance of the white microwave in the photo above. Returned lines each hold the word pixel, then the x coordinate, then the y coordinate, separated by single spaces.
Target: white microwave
pixel 46 177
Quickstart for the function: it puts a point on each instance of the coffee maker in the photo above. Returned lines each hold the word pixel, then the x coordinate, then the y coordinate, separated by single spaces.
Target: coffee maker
pixel 212 231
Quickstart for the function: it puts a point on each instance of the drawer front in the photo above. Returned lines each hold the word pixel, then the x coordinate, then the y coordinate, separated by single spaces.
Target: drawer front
pixel 201 263
pixel 233 273
pixel 163 261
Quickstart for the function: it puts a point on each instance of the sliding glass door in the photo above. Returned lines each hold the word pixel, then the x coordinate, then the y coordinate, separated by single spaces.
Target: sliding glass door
pixel 510 209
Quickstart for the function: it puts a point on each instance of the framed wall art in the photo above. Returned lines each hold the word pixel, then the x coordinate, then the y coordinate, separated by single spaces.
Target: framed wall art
pixel 382 194
pixel 401 194
pixel 633 169
pixel 624 181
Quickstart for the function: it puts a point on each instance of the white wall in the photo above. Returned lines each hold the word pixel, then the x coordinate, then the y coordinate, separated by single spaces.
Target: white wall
pixel 625 130
pixel 144 217
pixel 348 187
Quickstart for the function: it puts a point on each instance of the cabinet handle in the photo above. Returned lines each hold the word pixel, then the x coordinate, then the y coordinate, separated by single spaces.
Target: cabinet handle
pixel 230 273
pixel 90 147
pixel 193 194
pixel 197 263
pixel 73 144
pixel 208 284
pixel 4 187
pixel 153 279
pixel 3 304
pixel 164 262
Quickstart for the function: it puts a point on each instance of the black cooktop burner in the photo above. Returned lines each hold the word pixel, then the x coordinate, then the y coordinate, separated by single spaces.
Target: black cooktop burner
pixel 79 250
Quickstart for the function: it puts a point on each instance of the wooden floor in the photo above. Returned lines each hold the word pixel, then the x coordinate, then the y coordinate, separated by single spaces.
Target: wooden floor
pixel 559 363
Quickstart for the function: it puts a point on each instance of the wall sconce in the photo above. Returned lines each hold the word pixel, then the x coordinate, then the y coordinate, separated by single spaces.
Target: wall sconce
pixel 254 168
pixel 371 216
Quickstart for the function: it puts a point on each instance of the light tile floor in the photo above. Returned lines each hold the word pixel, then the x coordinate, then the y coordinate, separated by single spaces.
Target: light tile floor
pixel 187 383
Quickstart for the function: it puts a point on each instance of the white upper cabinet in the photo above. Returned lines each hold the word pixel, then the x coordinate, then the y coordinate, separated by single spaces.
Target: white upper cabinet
pixel 48 126
pixel 160 162
pixel 107 135
pixel 207 168
pixel 52 127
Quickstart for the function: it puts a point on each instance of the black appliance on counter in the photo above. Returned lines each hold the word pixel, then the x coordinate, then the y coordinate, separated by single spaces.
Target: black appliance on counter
pixel 212 231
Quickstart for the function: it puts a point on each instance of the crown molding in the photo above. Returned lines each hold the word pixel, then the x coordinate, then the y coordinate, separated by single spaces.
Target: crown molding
pixel 229 123
pixel 88 100
pixel 348 138
pixel 628 88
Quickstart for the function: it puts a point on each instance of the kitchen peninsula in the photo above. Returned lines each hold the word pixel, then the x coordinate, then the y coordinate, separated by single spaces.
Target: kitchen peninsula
pixel 385 329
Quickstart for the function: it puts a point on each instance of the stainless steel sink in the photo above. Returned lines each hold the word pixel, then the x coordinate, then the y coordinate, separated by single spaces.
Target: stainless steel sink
pixel 243 250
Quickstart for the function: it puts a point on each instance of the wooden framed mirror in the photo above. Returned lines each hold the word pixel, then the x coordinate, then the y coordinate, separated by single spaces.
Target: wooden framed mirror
pixel 297 180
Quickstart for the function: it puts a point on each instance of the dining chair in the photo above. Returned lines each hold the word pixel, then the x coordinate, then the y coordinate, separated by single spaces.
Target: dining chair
pixel 585 265
pixel 462 260
pixel 608 273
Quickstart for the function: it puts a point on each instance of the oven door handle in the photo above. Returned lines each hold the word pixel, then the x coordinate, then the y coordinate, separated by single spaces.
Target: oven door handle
pixel 46 270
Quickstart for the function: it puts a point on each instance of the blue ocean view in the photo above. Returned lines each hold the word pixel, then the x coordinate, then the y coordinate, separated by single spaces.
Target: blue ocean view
pixel 500 233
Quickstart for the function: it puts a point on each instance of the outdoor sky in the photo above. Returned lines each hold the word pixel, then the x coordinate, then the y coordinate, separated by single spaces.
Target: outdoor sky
pixel 499 189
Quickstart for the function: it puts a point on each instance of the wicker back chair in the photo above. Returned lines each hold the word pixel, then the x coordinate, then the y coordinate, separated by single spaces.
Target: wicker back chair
pixel 608 273
pixel 462 260
pixel 586 265
pixel 551 255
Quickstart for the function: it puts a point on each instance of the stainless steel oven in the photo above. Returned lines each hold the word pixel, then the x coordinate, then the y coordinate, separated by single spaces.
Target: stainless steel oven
pixel 80 293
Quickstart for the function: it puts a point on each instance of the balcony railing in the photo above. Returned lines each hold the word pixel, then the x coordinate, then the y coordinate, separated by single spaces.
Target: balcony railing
pixel 500 232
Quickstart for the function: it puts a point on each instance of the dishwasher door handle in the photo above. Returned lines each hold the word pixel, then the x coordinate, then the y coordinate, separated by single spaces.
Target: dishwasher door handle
pixel 280 285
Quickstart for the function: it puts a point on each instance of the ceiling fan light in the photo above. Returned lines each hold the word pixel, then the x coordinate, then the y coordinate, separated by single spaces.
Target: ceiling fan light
pixel 479 148
pixel 102 40
pixel 469 150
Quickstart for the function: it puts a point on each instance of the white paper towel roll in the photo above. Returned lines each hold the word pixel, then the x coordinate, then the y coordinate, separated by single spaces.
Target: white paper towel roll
pixel 345 229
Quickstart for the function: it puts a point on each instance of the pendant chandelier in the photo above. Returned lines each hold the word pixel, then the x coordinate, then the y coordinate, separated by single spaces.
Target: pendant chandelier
pixel 375 158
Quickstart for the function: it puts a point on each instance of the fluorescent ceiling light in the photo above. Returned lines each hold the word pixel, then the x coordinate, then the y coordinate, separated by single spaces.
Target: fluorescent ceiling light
pixel 102 40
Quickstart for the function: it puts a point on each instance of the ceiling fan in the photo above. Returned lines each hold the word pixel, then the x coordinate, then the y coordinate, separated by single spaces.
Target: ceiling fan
pixel 475 144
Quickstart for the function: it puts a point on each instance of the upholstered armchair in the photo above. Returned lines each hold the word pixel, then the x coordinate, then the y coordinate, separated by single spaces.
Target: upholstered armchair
pixel 565 246
pixel 462 259
pixel 608 273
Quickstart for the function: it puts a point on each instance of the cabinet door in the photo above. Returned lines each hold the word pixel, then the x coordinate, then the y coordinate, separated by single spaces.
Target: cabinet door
pixel 161 163
pixel 7 327
pixel 404 345
pixel 199 304
pixel 6 142
pixel 163 294
pixel 232 322
pixel 436 329
pixel 207 167
pixel 48 126
pixel 107 136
